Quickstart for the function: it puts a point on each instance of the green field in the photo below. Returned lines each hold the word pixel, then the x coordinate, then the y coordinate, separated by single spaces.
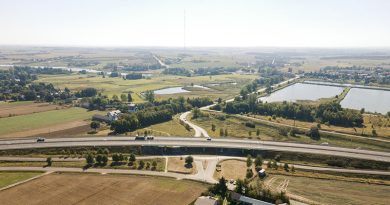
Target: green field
pixel 7 178
pixel 43 119
pixel 110 86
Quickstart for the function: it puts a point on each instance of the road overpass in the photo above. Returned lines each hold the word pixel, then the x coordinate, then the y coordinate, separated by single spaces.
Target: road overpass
pixel 198 143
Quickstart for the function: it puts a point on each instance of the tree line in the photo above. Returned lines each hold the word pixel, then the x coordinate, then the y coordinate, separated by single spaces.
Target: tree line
pixel 329 113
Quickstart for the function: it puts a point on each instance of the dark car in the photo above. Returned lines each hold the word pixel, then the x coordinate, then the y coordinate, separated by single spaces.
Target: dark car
pixel 40 139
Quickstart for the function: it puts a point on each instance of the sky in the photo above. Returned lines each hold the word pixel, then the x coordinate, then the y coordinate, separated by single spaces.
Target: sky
pixel 209 23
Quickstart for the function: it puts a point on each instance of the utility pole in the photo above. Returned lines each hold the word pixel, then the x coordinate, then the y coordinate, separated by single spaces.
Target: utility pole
pixel 184 30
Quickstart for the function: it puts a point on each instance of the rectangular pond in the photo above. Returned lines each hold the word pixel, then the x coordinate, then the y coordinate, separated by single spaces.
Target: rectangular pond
pixel 302 91
pixel 172 90
pixel 369 99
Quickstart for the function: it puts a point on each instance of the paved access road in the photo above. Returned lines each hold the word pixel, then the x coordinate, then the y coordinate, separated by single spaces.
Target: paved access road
pixel 199 132
pixel 197 142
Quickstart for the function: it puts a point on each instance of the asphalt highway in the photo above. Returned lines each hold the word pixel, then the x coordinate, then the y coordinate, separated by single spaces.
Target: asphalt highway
pixel 197 142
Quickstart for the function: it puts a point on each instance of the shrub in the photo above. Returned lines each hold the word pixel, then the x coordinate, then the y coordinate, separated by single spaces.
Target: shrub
pixel 250 124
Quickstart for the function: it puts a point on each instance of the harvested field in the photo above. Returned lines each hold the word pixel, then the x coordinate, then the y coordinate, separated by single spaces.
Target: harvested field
pixel 177 164
pixel 103 189
pixel 56 130
pixel 14 109
pixel 331 191
pixel 44 122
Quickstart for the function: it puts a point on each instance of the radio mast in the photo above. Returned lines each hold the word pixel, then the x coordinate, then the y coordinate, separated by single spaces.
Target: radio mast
pixel 184 30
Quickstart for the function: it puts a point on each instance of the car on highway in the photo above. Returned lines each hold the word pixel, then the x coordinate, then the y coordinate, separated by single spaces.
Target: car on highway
pixel 209 139
pixel 40 139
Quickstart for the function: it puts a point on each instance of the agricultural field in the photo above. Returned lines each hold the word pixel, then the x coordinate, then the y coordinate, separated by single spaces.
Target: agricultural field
pixel 44 122
pixel 193 59
pixel 110 86
pixel 8 178
pixel 327 191
pixel 88 58
pixel 103 189
pixel 25 107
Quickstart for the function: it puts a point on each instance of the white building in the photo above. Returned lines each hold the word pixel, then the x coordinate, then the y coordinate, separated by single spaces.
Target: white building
pixel 113 115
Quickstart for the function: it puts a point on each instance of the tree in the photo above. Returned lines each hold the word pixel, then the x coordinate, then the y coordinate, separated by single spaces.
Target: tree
pixel 115 98
pixel 314 133
pixel 189 160
pixel 374 133
pixel 286 167
pixel 129 98
pixel 268 89
pixel 95 124
pixel 123 97
pixel 240 186
pixel 90 159
pixel 196 113
pixel 258 161
pixel 221 187
pixel 257 132
pixel 226 132
pixel 115 158
pixel 49 161
pixel 249 173
pixel 252 100
pixel 269 164
pixel 141 164
pixel 154 165
pixel 147 165
pixel 292 168
pixel 104 159
pixel 249 161
pixel 132 157
pixel 221 133
pixel 213 127
pixel 149 96
pixel 99 159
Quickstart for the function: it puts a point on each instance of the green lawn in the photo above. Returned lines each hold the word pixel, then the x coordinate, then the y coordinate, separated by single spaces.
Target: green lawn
pixel 7 178
pixel 42 119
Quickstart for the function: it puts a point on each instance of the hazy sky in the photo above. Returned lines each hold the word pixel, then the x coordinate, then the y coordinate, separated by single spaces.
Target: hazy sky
pixel 312 23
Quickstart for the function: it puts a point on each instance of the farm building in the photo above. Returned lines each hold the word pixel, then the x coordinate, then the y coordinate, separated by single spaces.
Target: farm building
pixel 206 200
pixel 132 108
pixel 113 115
pixel 247 200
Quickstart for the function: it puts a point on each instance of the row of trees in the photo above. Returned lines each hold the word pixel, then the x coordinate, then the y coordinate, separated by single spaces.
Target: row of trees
pixel 331 113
